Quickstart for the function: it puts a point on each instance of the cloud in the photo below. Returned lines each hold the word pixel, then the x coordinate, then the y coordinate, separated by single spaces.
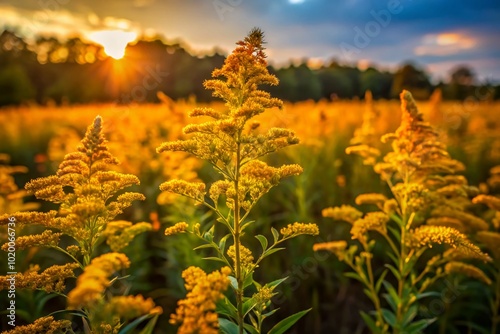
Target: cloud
pixel 445 44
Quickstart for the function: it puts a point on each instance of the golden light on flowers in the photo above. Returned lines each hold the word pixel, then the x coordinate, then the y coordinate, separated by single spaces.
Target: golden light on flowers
pixel 43 325
pixel 299 228
pixel 113 41
pixel 94 280
pixel 467 270
pixel 196 313
pixel 177 228
pixel 427 236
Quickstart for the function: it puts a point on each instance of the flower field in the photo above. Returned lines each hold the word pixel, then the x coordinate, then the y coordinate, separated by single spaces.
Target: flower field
pixel 251 215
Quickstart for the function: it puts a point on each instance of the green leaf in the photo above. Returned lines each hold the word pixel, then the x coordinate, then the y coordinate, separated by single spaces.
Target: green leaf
pixel 394 271
pixel 271 251
pixel 130 328
pixel 277 282
pixel 380 280
pixel 227 308
pixel 389 317
pixel 410 315
pixel 250 329
pixel 148 329
pixel 392 298
pixel 354 275
pixel 210 245
pixel 268 314
pixel 234 282
pixel 263 241
pixel 286 323
pixel 228 327
pixel 418 326
pixel 213 258
pixel 276 234
pixel 248 280
pixel 222 243
pixel 249 305
pixel 369 322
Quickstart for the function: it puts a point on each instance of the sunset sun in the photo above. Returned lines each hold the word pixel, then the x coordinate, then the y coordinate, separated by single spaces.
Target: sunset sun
pixel 113 41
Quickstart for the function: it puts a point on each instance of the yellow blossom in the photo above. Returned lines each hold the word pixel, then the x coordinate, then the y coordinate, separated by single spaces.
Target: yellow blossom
pixel 336 247
pixel 46 238
pixel 43 325
pixel 344 212
pixel 130 307
pixel 50 280
pixel 246 257
pixel 94 280
pixel 427 236
pixel 120 233
pixel 372 198
pixel 196 313
pixel 467 270
pixel 299 228
pixel 492 242
pixel 373 221
pixel 177 228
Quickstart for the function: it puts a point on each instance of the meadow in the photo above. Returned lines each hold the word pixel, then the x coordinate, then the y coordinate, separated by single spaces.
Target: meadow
pixel 348 287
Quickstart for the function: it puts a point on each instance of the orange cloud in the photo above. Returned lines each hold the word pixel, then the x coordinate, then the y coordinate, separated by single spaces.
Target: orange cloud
pixel 444 44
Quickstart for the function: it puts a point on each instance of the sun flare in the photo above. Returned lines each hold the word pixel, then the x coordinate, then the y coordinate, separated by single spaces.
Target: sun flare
pixel 113 41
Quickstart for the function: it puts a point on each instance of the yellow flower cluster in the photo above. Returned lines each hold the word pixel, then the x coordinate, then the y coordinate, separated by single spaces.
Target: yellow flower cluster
pixel 416 149
pixel 91 284
pixel 44 325
pixel 196 313
pixel 246 256
pixel 46 238
pixel 467 270
pixel 373 221
pixel 195 190
pixel 299 228
pixel 130 307
pixel 336 247
pixel 492 242
pixel 470 222
pixel 371 198
pixel 11 197
pixel 120 233
pixel 264 294
pixel 50 280
pixel 344 212
pixel 177 228
pixel 85 189
pixel 427 236
pixel 256 179
pixel 491 201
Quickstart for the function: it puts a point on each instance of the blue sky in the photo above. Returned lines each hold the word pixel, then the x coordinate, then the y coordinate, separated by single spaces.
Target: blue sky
pixel 437 35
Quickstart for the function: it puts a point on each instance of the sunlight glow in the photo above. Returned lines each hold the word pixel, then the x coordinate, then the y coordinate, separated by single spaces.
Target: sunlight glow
pixel 295 2
pixel 113 41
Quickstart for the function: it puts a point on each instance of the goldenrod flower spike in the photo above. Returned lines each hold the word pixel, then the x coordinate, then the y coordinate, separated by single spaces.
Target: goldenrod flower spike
pixel 232 142
pixel 44 325
pixel 196 313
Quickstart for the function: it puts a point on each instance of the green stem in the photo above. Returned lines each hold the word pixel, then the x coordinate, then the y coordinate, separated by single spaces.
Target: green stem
pixel 239 278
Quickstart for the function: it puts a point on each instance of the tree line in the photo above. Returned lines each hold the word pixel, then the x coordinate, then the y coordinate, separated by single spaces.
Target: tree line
pixel 48 70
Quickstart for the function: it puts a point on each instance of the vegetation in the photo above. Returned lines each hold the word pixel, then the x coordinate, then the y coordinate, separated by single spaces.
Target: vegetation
pixel 419 251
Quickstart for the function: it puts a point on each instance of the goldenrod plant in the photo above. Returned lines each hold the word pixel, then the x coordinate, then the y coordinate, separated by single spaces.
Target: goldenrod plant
pixel 491 240
pixel 427 208
pixel 89 195
pixel 231 142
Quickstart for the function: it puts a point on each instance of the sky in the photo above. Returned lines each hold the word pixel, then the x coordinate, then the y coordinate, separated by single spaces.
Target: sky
pixel 437 35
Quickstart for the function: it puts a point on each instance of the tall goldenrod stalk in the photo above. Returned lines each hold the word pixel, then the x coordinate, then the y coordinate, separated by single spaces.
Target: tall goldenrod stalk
pixel 233 144
pixel 427 207
pixel 89 195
